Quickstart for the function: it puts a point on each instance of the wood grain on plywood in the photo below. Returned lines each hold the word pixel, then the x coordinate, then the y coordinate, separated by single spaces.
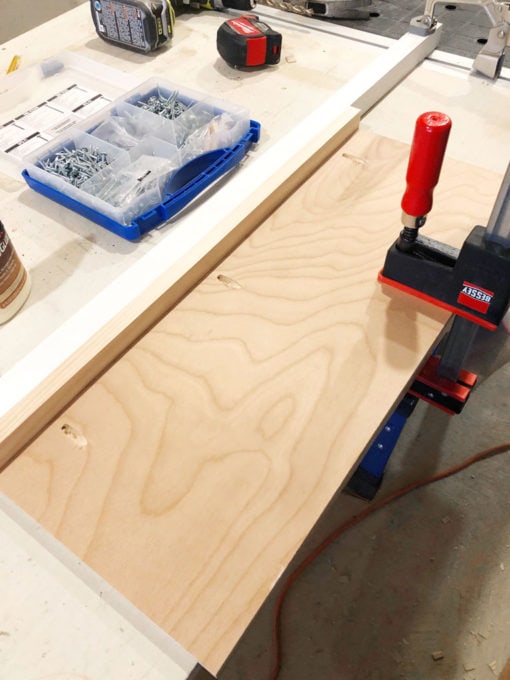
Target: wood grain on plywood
pixel 191 471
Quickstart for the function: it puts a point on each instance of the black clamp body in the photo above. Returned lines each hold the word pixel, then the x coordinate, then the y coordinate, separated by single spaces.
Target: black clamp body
pixel 473 282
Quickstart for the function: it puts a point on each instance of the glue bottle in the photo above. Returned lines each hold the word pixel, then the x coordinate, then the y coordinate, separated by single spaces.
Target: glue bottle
pixel 14 279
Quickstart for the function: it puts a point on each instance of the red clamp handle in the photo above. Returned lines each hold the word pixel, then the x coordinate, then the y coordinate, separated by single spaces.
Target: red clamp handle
pixel 425 160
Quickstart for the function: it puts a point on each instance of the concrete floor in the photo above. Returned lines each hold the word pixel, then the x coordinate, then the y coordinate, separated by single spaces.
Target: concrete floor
pixel 430 573
pixel 16 17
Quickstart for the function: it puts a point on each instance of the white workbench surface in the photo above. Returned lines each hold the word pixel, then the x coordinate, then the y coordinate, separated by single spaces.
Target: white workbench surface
pixel 83 274
pixel 79 270
pixel 59 619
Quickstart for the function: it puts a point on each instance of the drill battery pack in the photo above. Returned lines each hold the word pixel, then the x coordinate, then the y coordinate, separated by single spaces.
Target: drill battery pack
pixel 140 25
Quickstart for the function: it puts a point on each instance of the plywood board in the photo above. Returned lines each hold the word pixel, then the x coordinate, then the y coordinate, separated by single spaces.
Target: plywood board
pixel 191 471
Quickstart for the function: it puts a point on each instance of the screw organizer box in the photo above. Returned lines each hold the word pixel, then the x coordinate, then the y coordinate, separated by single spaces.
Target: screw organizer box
pixel 141 160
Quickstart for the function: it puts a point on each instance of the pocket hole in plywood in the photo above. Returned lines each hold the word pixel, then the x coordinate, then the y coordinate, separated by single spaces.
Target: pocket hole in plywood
pixel 227 281
pixel 356 159
pixel 73 434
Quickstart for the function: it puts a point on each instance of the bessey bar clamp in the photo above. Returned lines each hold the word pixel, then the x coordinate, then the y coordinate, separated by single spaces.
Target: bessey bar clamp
pixel 473 282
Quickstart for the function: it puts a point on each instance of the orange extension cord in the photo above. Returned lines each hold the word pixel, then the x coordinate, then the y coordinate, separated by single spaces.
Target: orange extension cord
pixel 296 573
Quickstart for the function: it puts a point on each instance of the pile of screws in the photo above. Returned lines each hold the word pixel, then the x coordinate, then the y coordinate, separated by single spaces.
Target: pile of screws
pixel 170 107
pixel 76 165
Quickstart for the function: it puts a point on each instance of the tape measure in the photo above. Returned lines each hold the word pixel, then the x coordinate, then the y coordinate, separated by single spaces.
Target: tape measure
pixel 246 41
pixel 141 25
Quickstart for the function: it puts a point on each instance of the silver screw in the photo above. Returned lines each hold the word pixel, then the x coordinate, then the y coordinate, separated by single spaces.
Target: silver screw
pixel 170 107
pixel 76 165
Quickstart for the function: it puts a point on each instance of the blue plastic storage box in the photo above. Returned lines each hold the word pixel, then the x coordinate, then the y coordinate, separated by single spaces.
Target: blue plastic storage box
pixel 180 157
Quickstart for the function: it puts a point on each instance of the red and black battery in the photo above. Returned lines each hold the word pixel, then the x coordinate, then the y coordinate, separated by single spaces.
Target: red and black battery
pixel 246 41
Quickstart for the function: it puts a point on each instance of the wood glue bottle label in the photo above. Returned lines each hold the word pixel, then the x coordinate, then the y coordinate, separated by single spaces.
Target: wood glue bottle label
pixel 14 279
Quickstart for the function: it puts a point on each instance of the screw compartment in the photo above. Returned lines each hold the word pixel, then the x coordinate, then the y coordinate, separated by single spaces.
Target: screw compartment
pixel 124 167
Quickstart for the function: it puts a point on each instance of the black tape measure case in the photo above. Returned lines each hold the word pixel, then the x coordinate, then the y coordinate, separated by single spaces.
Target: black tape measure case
pixel 246 41
pixel 141 25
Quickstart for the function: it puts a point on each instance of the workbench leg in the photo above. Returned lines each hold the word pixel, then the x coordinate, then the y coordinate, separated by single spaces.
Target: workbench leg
pixel 368 476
